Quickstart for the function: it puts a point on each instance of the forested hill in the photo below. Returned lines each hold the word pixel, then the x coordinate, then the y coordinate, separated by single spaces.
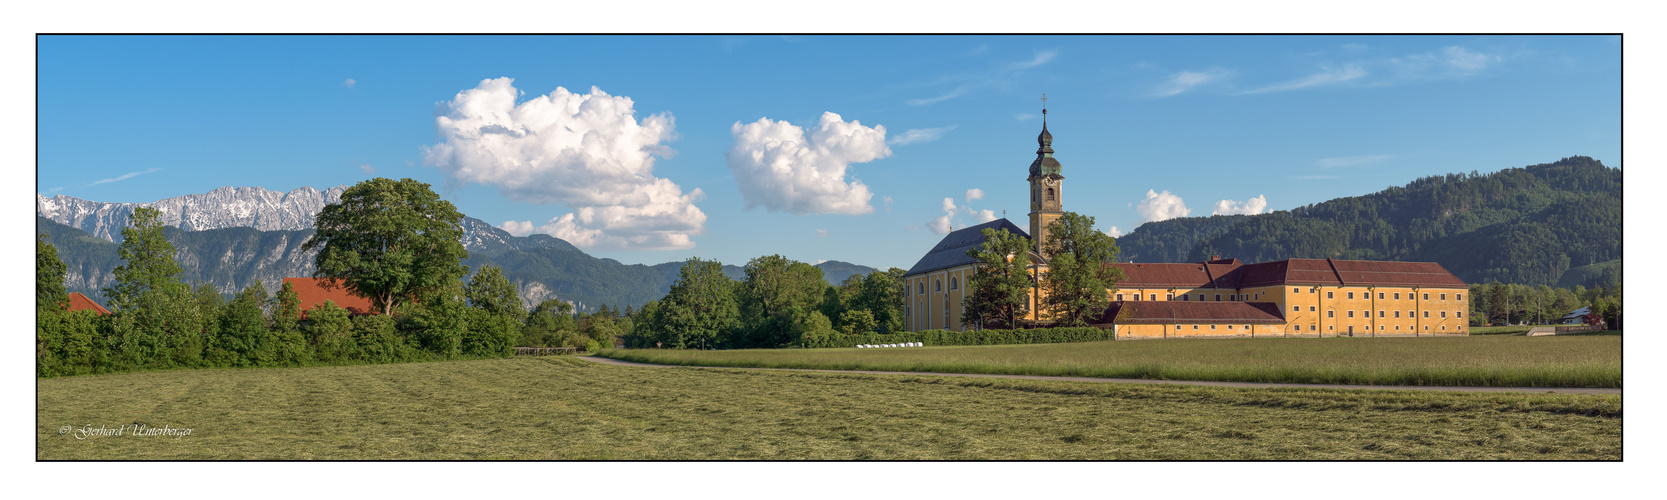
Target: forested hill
pixel 1526 225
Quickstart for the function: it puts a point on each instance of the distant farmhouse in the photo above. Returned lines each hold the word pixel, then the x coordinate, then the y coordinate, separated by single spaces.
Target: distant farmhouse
pixel 1216 298
pixel 80 302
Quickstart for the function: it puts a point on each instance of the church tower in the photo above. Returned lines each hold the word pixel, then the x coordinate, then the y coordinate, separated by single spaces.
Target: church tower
pixel 1046 184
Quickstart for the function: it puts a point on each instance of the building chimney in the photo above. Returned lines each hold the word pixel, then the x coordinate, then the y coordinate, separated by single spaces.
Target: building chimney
pixel 1215 257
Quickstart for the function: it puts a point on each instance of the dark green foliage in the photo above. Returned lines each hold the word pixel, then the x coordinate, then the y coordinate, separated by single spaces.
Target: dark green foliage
pixel 1078 281
pixel 976 337
pixel 548 325
pixel 69 343
pixel 392 242
pixel 440 322
pixel 701 307
pixel 286 315
pixel 856 322
pixel 149 267
pixel 49 276
pixel 376 340
pixel 776 292
pixel 330 332
pixel 999 292
pixel 242 336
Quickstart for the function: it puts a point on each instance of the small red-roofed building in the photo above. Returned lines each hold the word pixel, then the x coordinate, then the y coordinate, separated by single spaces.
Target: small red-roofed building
pixel 79 302
pixel 312 293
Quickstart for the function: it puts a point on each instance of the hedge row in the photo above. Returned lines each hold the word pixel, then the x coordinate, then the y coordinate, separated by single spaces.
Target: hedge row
pixel 978 337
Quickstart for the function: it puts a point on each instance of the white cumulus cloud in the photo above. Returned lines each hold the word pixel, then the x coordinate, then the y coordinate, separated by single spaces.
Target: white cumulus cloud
pixel 1161 206
pixel 1114 232
pixel 1251 206
pixel 586 151
pixel 919 135
pixel 985 215
pixel 941 224
pixel 974 194
pixel 779 167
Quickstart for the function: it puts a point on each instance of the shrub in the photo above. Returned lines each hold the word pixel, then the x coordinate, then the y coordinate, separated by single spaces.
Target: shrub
pixel 376 339
pixel 330 332
pixel 977 337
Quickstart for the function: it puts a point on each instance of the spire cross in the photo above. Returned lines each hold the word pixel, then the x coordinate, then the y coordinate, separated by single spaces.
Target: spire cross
pixel 1044 103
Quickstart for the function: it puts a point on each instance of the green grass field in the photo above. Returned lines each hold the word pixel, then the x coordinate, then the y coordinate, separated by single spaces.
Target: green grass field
pixel 1563 361
pixel 567 408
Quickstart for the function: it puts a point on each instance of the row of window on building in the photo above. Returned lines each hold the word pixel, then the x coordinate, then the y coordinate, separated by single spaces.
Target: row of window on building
pixel 1381 328
pixel 1332 294
pixel 1332 313
pixel 937 286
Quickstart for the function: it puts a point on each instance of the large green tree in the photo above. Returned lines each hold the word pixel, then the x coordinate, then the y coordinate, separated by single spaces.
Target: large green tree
pixel 998 294
pixel 391 242
pixel 774 293
pixel 498 313
pixel 49 276
pixel 1079 282
pixel 150 265
pixel 701 307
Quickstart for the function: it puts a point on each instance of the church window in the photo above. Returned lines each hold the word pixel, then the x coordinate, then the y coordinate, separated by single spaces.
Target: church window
pixel 920 287
pixel 954 284
pixel 1050 194
pixel 937 285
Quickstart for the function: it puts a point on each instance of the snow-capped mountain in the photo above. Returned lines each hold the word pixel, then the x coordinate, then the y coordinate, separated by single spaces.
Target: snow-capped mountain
pixel 255 207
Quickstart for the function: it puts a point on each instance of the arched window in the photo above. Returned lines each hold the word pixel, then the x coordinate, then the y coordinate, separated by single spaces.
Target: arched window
pixel 937 285
pixel 1050 194
pixel 920 287
pixel 954 284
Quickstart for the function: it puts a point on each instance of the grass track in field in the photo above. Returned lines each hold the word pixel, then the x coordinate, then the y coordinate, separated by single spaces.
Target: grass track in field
pixel 1561 361
pixel 563 408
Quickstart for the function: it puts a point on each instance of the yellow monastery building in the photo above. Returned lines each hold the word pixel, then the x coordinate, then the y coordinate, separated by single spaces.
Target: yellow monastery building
pixel 1217 298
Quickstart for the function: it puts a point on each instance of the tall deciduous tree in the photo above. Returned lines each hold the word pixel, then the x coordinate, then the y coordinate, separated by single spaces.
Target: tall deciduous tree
pixel 389 241
pixel 775 292
pixel 999 292
pixel 150 265
pixel 1079 281
pixel 701 306
pixel 49 276
pixel 882 295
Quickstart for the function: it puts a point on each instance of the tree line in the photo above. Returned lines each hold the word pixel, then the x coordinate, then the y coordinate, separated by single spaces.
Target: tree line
pixel 1512 304
pixel 393 242
pixel 779 302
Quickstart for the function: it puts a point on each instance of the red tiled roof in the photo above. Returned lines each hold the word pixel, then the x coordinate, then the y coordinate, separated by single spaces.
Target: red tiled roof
pixel 1230 273
pixel 1171 312
pixel 312 293
pixel 79 302
pixel 1163 275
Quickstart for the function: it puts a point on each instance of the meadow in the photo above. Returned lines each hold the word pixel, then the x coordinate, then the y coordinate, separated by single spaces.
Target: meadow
pixel 572 409
pixel 1490 361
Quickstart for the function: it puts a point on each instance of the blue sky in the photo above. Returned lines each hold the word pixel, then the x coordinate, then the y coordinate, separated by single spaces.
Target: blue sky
pixel 725 148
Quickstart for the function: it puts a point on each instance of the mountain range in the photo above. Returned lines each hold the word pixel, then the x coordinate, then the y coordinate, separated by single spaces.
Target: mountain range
pixel 232 236
pixel 1557 223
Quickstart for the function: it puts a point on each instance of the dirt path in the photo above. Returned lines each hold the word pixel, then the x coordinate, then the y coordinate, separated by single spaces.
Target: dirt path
pixel 1558 390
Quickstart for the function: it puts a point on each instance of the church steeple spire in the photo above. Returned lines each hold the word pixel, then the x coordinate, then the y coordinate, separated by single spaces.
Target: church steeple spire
pixel 1046 186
